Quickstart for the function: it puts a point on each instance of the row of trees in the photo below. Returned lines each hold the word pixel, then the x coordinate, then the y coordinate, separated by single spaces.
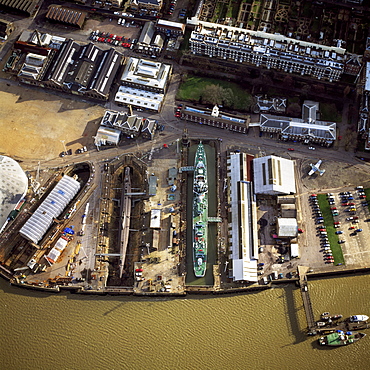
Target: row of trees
pixel 218 95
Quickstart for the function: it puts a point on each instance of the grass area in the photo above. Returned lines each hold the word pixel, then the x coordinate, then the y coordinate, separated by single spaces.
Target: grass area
pixel 192 90
pixel 233 10
pixel 330 229
pixel 330 113
pixel 367 193
pixel 220 11
pixel 307 10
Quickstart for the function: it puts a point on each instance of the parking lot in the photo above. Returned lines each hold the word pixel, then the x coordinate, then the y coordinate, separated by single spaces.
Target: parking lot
pixel 341 221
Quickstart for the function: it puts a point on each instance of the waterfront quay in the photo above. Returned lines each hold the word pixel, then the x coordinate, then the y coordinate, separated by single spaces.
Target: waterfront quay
pixel 158 260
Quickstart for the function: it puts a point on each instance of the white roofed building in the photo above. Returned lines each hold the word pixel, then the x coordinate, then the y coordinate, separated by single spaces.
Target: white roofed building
pixel 143 84
pixel 53 205
pixel 243 238
pixel 139 98
pixel 287 227
pixel 155 219
pixel 170 28
pixel 57 250
pixel 13 187
pixel 273 175
pixel 107 136
pixel 146 75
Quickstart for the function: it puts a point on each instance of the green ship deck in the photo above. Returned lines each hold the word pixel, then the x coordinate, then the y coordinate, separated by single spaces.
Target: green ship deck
pixel 200 212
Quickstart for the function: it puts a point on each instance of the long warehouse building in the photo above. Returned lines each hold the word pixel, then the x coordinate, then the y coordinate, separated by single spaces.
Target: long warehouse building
pixel 54 204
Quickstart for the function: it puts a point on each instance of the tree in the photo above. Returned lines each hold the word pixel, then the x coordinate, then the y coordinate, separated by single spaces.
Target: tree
pixel 347 90
pixel 306 89
pixel 228 98
pixel 294 110
pixel 212 94
pixel 288 81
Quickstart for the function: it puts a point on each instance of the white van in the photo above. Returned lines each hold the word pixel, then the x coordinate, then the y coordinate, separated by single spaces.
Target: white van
pixel 274 275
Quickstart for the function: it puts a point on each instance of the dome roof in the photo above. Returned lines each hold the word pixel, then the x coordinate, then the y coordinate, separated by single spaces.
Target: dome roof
pixel 13 187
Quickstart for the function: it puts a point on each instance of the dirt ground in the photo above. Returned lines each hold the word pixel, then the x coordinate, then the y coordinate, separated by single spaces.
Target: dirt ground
pixel 33 124
pixel 337 176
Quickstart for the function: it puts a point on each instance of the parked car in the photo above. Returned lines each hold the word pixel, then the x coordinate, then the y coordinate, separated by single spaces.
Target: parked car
pixel 339 232
pixel 337 223
pixel 341 241
pixel 311 148
pixel 291 149
pixel 359 230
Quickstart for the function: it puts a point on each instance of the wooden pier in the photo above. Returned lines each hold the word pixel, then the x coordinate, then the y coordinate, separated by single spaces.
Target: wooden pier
pixel 313 328
pixel 311 323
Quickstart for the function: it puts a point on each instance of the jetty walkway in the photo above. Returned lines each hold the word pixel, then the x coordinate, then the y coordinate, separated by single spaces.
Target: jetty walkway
pixel 312 326
pixel 311 323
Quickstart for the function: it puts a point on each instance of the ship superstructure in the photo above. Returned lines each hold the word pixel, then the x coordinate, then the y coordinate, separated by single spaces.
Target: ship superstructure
pixel 200 212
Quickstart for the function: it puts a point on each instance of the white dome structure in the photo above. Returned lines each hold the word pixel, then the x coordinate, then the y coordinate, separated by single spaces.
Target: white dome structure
pixel 13 187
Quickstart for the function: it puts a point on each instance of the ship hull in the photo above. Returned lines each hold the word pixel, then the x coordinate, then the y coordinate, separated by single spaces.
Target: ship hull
pixel 340 339
pixel 200 212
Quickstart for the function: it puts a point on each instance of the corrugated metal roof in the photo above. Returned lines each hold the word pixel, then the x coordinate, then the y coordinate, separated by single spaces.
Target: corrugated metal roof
pixel 53 205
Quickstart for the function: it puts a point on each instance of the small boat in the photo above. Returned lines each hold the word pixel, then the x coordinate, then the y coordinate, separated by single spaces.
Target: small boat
pixel 357 318
pixel 325 314
pixel 339 338
pixel 336 317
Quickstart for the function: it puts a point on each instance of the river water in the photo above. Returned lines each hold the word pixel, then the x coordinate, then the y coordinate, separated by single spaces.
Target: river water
pixel 262 330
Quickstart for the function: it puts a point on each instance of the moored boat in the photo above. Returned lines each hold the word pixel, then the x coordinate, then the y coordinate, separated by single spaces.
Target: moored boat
pixel 340 338
pixel 357 318
pixel 336 317
pixel 200 212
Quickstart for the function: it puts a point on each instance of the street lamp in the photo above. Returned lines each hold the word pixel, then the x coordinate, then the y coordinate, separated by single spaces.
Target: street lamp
pixel 64 147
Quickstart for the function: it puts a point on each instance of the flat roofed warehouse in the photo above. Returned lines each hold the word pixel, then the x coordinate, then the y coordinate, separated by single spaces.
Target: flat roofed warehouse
pixel 84 69
pixel 53 205
pixel 243 238
pixel 273 175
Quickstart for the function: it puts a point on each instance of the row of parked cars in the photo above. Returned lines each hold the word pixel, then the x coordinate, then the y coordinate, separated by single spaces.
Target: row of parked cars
pixel 110 38
pixel 321 230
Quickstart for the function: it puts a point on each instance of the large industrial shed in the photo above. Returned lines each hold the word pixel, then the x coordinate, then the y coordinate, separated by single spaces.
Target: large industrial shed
pixel 13 187
pixel 273 175
pixel 53 205
pixel 243 238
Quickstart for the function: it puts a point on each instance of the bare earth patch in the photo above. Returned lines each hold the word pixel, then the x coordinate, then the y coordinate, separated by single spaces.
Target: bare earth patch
pixel 33 123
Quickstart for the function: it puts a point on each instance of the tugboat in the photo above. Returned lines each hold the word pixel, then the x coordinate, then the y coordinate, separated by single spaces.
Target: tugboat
pixel 339 338
pixel 200 212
